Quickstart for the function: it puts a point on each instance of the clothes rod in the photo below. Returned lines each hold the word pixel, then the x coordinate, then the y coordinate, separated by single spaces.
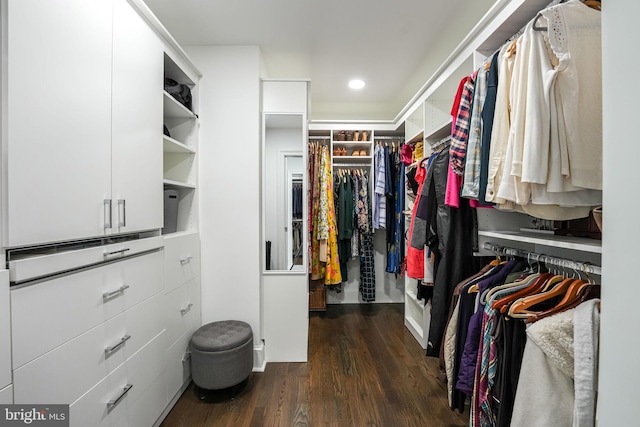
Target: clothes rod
pixel 556 261
pixel 389 138
pixel 319 137
pixel 352 165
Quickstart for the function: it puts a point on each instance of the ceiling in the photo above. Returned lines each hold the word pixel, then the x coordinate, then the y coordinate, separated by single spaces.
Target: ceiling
pixel 394 46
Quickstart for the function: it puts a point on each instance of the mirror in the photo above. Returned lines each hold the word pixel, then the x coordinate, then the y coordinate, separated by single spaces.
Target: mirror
pixel 284 191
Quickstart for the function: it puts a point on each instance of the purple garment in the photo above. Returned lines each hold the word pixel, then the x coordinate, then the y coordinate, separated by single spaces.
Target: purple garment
pixel 466 374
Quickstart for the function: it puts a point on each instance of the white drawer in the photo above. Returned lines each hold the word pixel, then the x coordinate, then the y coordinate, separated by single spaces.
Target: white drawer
pixel 182 310
pixel 146 410
pixel 60 309
pixel 83 362
pixel 178 365
pixel 182 259
pixel 5 330
pixel 142 371
pixel 51 262
pixel 6 395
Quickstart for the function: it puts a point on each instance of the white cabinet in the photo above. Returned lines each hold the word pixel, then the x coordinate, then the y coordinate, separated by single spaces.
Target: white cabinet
pixel 75 303
pixel 137 120
pixel 82 106
pixel 58 119
pixel 182 306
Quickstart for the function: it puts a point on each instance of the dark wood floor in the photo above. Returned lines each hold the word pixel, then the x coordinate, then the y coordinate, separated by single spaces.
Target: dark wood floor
pixel 364 369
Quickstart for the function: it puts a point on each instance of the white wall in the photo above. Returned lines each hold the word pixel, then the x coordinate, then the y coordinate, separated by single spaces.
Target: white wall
pixel 619 345
pixel 229 182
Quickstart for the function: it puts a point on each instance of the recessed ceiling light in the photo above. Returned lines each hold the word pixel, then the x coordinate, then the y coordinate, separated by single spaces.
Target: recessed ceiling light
pixel 356 84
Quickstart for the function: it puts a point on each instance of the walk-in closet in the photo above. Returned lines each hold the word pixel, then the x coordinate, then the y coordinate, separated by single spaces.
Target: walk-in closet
pixel 318 213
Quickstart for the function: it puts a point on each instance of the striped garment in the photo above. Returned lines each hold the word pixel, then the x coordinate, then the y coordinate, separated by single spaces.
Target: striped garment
pixel 460 135
pixel 471 182
pixel 380 200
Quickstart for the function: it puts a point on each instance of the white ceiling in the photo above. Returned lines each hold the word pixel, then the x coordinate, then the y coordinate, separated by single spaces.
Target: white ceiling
pixel 394 46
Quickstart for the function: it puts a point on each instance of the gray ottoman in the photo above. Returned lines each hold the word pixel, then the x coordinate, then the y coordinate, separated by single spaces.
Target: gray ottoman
pixel 221 354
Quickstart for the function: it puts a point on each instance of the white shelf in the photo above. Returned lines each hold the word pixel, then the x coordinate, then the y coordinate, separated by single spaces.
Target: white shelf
pixel 355 144
pixel 415 329
pixel 417 137
pixel 550 240
pixel 179 234
pixel 173 71
pixel 178 185
pixel 170 145
pixel 414 299
pixel 173 108
pixel 440 132
pixel 347 159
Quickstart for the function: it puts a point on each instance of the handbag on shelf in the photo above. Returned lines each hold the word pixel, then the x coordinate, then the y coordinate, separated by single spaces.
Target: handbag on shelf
pixel 180 92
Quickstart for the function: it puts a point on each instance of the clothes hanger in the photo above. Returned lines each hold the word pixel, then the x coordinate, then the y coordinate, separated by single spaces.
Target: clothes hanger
pixel 503 303
pixel 593 4
pixel 519 309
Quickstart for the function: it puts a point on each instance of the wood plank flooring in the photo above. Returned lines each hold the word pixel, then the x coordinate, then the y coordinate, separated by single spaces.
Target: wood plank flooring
pixel 364 369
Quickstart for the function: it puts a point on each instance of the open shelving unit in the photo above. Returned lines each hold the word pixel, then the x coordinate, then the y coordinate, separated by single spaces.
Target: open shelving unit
pixel 180 151
pixel 430 117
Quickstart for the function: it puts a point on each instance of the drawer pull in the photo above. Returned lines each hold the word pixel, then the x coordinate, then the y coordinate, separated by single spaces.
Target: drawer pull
pixel 185 260
pixel 108 295
pixel 185 310
pixel 187 357
pixel 107 214
pixel 113 403
pixel 109 350
pixel 123 221
pixel 121 252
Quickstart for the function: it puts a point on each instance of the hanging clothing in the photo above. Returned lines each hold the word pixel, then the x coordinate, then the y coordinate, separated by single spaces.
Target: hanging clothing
pixel 344 213
pixel 415 256
pixel 547 371
pixel 380 201
pixel 365 225
pixel 395 248
pixel 452 236
pixel 471 181
pixel 332 266
pixel 323 230
pixel 488 114
pixel 317 271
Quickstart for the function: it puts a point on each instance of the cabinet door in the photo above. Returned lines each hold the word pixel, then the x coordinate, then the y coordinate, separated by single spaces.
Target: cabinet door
pixel 58 119
pixel 137 122
pixel 5 330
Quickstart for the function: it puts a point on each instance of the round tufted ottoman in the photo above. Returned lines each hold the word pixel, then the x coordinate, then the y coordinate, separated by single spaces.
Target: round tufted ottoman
pixel 221 354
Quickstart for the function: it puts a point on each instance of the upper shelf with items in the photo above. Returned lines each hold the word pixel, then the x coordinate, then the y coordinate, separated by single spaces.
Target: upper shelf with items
pixel 351 146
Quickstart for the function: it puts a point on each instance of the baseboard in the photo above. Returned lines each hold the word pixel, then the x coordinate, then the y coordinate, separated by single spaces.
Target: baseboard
pixel 259 360
pixel 172 403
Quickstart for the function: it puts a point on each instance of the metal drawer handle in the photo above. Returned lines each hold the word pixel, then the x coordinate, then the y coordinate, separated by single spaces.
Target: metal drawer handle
pixel 107 213
pixel 109 350
pixel 121 252
pixel 185 260
pixel 185 310
pixel 108 295
pixel 123 219
pixel 186 357
pixel 112 403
